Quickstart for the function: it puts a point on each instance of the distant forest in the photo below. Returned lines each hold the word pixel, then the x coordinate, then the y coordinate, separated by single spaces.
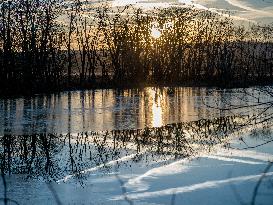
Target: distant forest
pixel 46 46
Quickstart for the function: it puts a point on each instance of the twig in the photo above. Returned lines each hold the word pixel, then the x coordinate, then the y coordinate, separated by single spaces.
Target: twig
pixel 5 188
pixel 124 191
pixel 6 199
pixel 56 197
pixel 254 195
pixel 252 147
pixel 173 198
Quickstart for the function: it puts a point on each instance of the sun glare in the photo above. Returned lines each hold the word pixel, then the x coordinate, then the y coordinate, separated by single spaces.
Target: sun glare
pixel 155 32
pixel 156 108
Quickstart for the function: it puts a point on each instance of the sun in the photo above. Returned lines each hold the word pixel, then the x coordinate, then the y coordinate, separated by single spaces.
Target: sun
pixel 155 32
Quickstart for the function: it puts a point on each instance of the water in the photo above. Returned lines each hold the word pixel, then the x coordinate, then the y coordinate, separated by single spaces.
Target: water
pixel 78 111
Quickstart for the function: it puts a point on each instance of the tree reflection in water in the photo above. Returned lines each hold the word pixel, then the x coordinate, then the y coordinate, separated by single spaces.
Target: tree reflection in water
pixel 55 157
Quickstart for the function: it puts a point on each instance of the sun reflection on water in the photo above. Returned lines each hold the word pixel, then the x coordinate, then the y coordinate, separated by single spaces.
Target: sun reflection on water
pixel 155 32
pixel 97 110
pixel 157 114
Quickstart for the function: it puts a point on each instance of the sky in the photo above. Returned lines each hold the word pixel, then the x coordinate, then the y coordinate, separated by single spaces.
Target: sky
pixel 260 11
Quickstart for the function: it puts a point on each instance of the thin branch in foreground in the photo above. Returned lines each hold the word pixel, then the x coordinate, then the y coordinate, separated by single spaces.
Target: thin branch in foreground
pixel 255 192
pixel 253 147
pixel 54 193
pixel 6 199
pixel 173 198
pixel 5 188
pixel 124 191
pixel 235 192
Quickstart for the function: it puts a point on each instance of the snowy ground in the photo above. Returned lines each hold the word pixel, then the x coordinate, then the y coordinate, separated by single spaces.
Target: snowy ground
pixel 223 176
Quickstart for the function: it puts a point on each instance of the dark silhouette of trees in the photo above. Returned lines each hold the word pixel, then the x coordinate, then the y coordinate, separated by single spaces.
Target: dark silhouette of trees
pixel 116 48
pixel 30 44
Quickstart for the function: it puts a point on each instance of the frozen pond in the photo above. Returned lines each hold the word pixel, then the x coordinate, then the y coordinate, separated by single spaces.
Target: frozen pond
pixel 150 146
pixel 79 111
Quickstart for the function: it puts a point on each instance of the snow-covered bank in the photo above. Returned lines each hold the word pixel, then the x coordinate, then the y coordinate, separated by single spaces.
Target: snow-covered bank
pixel 226 175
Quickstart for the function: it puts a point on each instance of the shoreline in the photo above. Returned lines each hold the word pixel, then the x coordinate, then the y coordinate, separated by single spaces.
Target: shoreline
pixel 140 86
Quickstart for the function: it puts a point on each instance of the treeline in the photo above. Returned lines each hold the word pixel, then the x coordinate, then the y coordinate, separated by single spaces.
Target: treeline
pixel 46 46
pixel 30 48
